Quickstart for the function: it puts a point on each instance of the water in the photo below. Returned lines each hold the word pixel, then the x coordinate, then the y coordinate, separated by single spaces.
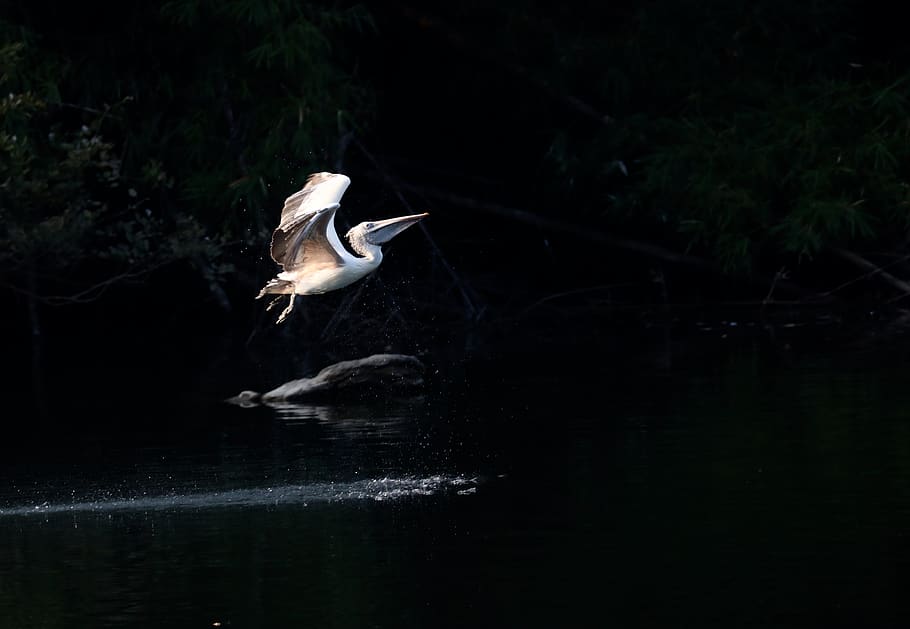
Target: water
pixel 736 488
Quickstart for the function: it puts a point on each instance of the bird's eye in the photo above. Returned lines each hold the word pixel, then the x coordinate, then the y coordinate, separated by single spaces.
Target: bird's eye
pixel 369 225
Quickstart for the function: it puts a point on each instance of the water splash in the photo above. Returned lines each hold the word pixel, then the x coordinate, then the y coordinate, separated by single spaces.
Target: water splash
pixel 369 489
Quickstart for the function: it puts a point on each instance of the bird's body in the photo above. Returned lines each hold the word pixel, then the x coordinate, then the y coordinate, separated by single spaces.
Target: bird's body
pixel 306 245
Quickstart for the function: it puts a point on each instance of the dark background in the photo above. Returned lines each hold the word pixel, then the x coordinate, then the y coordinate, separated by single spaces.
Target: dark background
pixel 660 297
pixel 592 170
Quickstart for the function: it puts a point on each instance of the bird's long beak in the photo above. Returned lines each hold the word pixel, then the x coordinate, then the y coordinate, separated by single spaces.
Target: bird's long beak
pixel 384 231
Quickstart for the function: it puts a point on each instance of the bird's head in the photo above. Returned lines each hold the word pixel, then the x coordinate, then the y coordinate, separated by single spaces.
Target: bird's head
pixel 380 232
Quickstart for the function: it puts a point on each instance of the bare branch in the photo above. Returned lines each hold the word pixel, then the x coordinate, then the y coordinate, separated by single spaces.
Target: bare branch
pixel 85 295
pixel 585 233
pixel 872 269
pixel 397 186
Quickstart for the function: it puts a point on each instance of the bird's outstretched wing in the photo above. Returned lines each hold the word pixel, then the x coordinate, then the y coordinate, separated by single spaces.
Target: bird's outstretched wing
pixel 303 235
pixel 307 242
pixel 320 190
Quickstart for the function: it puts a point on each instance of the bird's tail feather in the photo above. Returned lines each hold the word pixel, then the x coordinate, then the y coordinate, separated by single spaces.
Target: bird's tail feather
pixel 276 286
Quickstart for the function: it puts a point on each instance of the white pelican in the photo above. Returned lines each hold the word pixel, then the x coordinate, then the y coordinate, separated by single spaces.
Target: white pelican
pixel 307 247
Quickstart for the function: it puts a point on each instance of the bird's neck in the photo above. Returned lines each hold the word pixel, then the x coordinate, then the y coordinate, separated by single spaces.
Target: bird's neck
pixel 372 253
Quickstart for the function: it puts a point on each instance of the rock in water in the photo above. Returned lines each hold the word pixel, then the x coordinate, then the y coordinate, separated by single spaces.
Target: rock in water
pixel 379 372
pixel 245 399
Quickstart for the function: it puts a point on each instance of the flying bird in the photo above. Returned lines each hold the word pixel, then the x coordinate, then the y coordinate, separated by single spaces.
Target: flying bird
pixel 307 248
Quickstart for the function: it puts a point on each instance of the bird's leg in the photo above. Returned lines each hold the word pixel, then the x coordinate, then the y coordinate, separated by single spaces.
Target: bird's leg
pixel 287 311
pixel 274 302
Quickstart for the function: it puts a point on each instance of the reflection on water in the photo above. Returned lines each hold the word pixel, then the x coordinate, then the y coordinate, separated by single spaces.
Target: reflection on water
pixel 312 453
pixel 350 422
pixel 740 490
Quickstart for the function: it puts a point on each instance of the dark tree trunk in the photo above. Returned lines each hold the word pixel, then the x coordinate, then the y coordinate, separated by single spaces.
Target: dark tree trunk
pixel 38 384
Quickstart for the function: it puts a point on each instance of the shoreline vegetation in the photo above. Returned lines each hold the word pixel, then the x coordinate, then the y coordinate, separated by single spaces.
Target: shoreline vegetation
pixel 614 168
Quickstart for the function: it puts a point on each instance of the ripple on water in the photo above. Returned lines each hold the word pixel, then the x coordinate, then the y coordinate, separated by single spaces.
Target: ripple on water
pixel 368 489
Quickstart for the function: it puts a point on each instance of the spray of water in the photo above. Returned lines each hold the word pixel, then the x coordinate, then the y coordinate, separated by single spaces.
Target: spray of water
pixel 371 489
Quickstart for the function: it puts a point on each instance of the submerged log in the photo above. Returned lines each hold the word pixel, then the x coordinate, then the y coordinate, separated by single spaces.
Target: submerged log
pixel 380 372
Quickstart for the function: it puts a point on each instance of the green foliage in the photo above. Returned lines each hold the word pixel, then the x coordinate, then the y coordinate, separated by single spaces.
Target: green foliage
pixel 821 165
pixel 259 100
pixel 746 132
pixel 71 221
pixel 167 137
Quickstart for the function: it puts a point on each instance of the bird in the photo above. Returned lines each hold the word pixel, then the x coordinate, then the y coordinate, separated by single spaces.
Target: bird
pixel 307 248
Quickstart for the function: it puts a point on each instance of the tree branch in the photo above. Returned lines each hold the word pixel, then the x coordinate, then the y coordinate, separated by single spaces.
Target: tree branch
pixel 872 269
pixel 552 224
pixel 387 179
pixel 591 235
pixel 86 295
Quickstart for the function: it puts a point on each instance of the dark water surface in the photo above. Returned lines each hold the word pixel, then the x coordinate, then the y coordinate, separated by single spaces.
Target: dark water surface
pixel 740 488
